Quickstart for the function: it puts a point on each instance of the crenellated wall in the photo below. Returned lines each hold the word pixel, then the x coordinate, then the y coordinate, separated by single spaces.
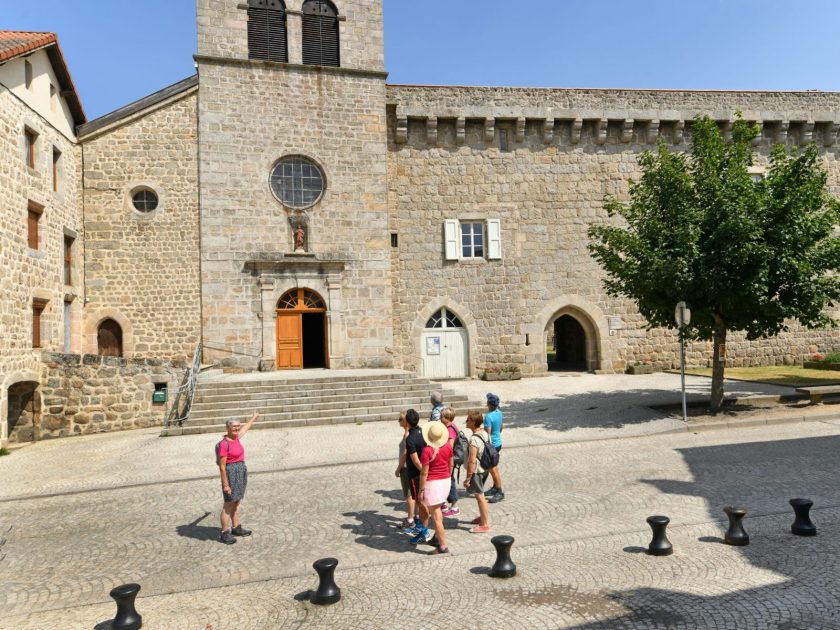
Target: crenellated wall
pixel 565 150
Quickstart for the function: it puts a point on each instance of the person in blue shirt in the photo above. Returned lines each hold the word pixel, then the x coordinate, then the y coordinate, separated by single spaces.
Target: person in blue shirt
pixel 437 406
pixel 493 427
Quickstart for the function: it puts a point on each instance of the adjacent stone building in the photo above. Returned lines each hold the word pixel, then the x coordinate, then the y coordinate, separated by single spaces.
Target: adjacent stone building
pixel 288 209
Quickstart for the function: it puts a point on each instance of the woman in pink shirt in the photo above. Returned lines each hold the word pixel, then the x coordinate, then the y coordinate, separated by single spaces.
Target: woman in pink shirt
pixel 435 477
pixel 230 456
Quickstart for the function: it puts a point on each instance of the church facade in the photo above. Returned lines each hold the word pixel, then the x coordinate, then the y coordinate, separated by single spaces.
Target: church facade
pixel 287 208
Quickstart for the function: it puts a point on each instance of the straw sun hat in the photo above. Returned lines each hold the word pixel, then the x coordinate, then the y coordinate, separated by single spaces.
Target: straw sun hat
pixel 435 434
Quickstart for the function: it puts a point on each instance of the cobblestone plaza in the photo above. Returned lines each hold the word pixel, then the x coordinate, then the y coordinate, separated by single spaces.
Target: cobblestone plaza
pixel 132 506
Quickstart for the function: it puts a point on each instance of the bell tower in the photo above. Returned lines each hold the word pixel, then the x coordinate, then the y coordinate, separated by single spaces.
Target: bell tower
pixel 293 190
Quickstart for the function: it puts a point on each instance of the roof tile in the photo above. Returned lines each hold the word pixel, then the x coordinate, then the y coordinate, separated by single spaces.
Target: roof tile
pixel 14 43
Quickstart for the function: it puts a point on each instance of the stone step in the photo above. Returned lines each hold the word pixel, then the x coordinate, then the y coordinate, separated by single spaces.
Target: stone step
pixel 314 397
pixel 203 396
pixel 271 406
pixel 343 381
pixel 272 423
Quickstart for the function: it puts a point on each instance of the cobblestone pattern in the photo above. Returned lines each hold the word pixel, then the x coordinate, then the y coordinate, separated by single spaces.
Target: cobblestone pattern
pixel 142 268
pixel 339 122
pixel 92 394
pixel 223 31
pixel 577 512
pixel 546 196
pixel 27 273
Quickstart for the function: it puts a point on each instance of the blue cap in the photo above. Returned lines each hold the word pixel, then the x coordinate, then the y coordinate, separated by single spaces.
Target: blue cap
pixel 493 400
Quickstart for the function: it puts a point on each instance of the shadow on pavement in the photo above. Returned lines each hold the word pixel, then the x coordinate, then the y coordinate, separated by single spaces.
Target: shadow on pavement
pixel 602 410
pixel 378 531
pixel 199 532
pixel 807 595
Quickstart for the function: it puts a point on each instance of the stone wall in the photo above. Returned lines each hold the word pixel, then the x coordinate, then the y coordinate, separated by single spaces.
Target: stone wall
pixel 35 274
pixel 566 150
pixel 82 394
pixel 142 268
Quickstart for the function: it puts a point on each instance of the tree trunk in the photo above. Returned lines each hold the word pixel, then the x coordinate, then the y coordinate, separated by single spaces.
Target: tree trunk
pixel 718 364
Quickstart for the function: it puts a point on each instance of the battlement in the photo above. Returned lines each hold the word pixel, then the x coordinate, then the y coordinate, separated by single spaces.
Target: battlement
pixel 606 116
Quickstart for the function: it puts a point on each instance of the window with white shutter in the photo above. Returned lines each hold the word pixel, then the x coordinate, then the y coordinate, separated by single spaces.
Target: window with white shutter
pixel 494 239
pixel 450 238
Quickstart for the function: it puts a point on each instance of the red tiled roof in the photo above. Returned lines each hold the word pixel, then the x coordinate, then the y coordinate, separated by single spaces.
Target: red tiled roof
pixel 14 43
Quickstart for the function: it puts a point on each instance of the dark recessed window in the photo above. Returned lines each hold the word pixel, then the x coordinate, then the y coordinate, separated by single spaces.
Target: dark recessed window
pixel 297 182
pixel 320 33
pixel 144 200
pixel 394 240
pixel 267 30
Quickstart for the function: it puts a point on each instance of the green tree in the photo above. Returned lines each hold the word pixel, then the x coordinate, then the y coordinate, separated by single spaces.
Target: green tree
pixel 744 255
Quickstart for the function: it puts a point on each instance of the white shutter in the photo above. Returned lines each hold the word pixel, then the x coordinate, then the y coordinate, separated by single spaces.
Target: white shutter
pixel 494 239
pixel 450 237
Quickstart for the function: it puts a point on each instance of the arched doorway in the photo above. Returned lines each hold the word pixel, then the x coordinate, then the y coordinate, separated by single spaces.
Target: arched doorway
pixel 444 346
pixel 301 330
pixel 567 345
pixel 109 339
pixel 24 410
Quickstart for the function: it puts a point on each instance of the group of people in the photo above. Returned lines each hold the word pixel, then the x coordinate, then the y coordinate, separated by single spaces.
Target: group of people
pixel 428 472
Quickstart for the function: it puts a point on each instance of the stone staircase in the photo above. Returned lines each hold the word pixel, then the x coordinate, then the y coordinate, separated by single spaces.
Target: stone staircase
pixel 329 398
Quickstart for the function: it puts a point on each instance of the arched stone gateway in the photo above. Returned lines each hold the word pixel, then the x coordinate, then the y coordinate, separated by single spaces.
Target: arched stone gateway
pixel 23 412
pixel 574 331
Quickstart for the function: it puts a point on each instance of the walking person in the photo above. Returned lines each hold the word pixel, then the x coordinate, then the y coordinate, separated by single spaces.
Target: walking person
pixel 493 427
pixel 230 455
pixel 414 445
pixel 402 473
pixel 450 508
pixel 434 479
pixel 476 475
pixel 437 406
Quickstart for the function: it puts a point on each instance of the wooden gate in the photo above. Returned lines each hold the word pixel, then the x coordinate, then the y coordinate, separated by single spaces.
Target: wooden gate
pixel 290 309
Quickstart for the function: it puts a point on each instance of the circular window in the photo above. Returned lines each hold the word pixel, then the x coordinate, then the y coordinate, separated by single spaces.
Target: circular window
pixel 144 200
pixel 297 182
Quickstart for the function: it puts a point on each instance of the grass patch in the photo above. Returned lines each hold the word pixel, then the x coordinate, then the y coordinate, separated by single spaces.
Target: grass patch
pixel 5 451
pixel 789 375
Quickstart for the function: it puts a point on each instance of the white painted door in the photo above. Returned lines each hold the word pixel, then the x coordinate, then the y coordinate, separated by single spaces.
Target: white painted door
pixel 445 353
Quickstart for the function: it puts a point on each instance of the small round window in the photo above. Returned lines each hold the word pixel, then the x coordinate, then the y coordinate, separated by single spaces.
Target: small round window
pixel 144 200
pixel 297 182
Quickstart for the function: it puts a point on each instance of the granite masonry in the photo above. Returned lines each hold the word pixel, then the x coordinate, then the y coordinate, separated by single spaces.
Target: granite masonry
pixel 437 229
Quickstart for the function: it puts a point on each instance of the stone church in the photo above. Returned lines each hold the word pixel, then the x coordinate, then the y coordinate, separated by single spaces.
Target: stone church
pixel 287 208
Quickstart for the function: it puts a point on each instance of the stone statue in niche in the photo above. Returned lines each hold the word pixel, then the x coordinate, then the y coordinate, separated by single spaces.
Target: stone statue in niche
pixel 298 223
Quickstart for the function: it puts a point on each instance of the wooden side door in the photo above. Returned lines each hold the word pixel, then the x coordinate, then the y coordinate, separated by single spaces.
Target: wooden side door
pixel 289 341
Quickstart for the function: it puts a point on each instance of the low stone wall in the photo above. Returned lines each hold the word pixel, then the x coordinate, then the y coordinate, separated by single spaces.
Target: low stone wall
pixel 93 394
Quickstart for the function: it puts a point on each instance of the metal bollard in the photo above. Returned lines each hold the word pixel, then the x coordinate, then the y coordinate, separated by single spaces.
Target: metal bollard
pixel 736 535
pixel 802 525
pixel 659 545
pixel 328 592
pixel 127 616
pixel 504 566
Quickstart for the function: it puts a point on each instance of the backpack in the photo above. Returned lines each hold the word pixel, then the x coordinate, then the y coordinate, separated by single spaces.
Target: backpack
pixel 460 449
pixel 490 456
pixel 218 447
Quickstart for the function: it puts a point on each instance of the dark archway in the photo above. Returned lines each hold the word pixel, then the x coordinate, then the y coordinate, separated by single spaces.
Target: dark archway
pixel 109 339
pixel 24 412
pixel 569 345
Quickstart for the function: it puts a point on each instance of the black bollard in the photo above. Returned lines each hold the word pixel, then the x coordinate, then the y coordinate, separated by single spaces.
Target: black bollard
pixel 736 535
pixel 802 525
pixel 659 545
pixel 504 566
pixel 328 592
pixel 127 616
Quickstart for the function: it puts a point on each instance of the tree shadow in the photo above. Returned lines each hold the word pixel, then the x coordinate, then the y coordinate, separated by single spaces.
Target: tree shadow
pixel 199 532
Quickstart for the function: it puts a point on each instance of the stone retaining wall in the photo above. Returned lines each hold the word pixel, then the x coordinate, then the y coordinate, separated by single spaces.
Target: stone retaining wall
pixel 82 394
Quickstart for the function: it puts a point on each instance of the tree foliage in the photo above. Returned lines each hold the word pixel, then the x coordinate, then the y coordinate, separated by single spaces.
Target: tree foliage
pixel 744 255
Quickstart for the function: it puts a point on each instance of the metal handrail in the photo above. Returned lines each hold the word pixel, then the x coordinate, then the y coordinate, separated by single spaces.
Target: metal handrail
pixel 180 411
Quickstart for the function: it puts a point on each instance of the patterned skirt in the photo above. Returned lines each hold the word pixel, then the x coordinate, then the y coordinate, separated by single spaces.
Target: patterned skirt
pixel 237 474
